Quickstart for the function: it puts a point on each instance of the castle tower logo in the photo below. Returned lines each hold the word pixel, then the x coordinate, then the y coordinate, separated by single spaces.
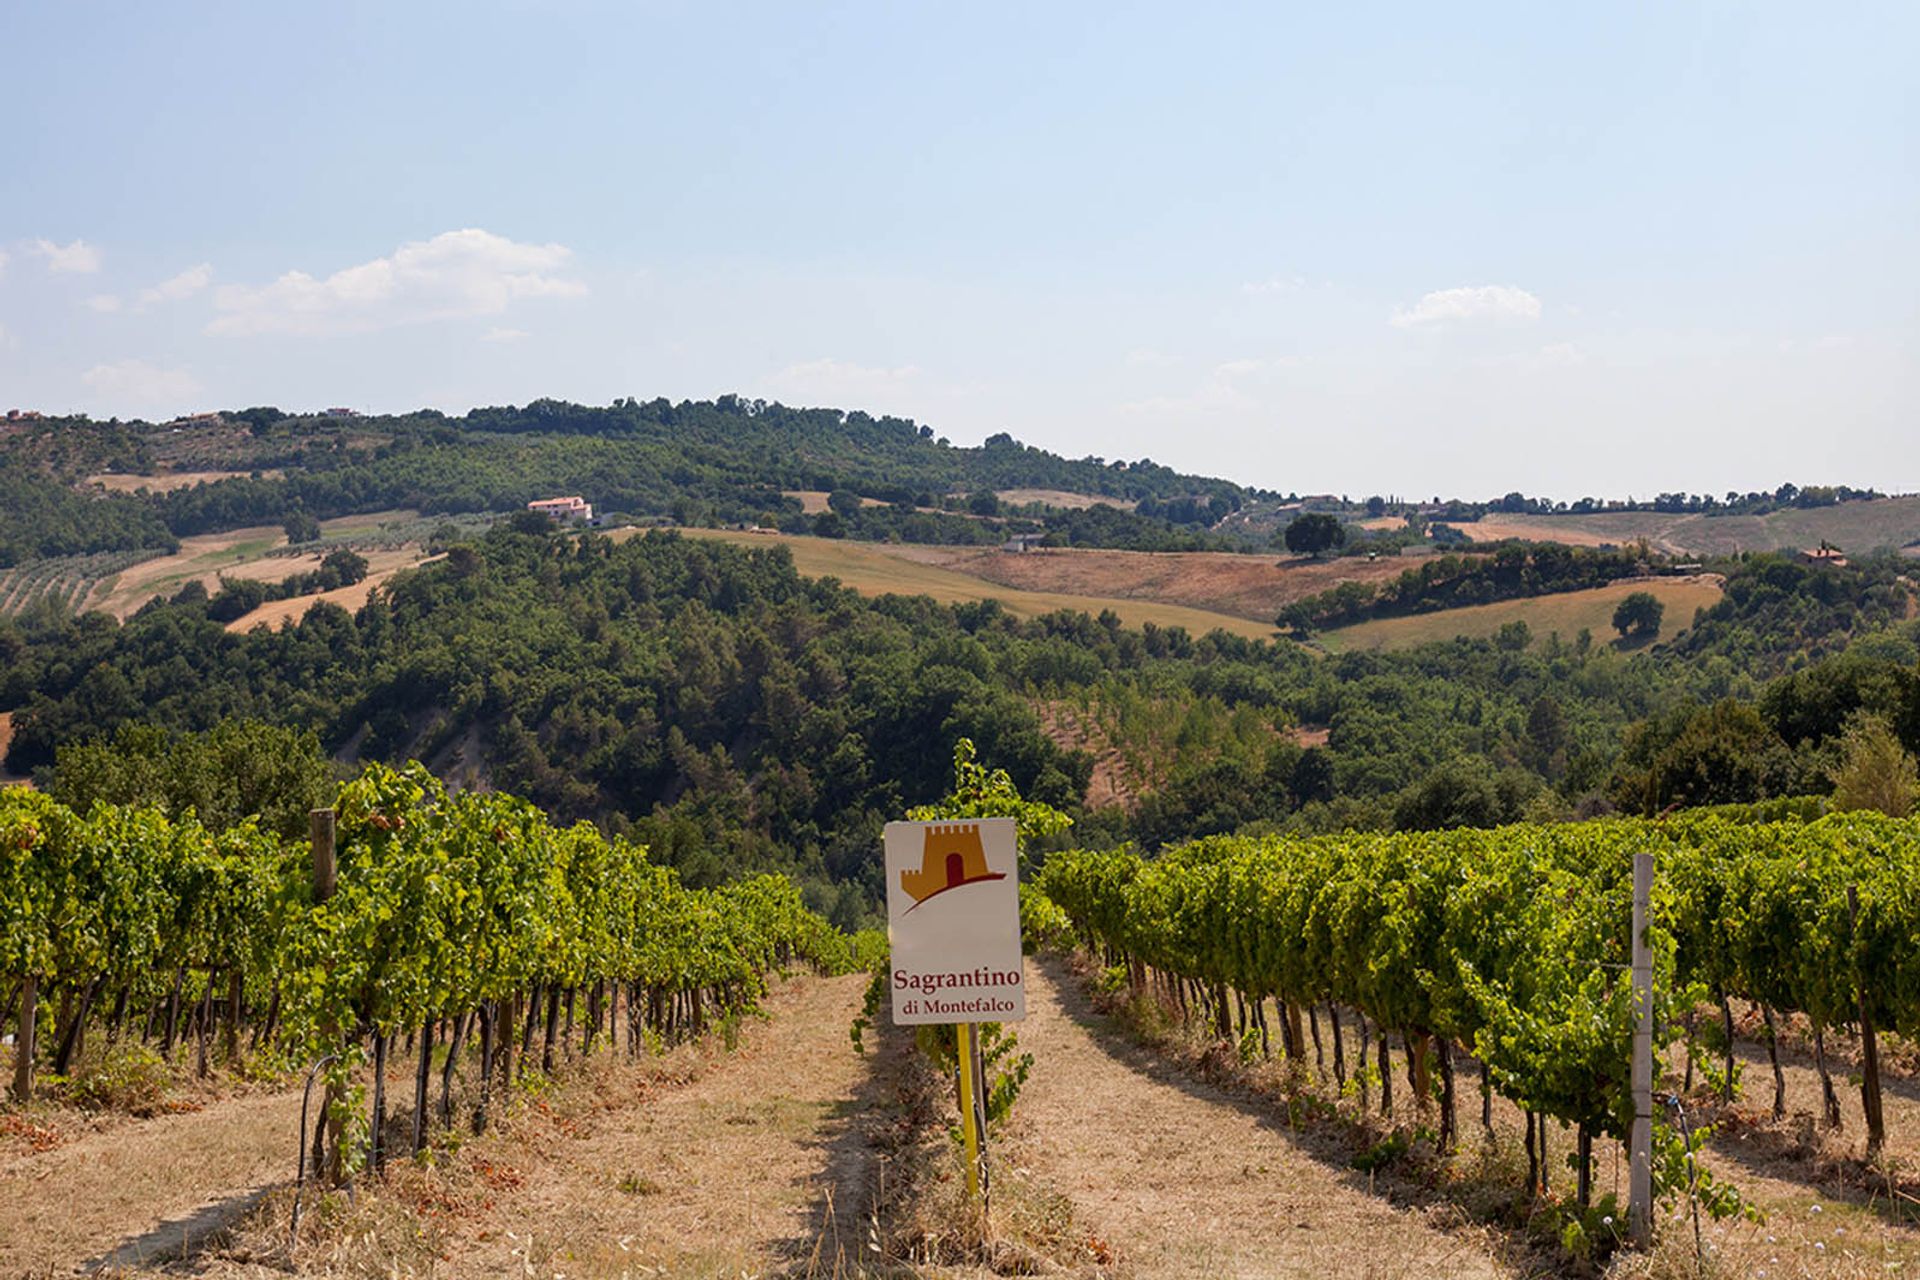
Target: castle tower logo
pixel 951 858
pixel 960 960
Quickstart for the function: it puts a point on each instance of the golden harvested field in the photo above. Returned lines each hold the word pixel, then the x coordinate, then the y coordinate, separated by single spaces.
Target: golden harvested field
pixel 167 482
pixel 205 557
pixel 245 553
pixel 1062 499
pixel 1254 587
pixel 814 501
pixel 1852 526
pixel 381 566
pixel 1566 613
pixel 341 525
pixel 1560 529
pixel 876 570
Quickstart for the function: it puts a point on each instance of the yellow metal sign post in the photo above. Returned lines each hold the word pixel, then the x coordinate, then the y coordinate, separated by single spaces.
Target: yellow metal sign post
pixel 969 1138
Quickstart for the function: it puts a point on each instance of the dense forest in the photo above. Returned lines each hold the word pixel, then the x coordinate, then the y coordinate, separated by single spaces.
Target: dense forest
pixel 728 460
pixel 709 701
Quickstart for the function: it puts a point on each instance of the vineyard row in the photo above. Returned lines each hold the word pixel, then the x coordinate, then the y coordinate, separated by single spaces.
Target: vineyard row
pixel 1513 944
pixel 446 916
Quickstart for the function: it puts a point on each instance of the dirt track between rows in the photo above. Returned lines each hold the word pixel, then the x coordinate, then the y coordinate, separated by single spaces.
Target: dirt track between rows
pixel 1183 1180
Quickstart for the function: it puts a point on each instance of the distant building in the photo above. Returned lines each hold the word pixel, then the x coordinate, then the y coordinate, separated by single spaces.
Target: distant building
pixel 340 413
pixel 198 419
pixel 23 415
pixel 1824 554
pixel 570 510
pixel 1023 542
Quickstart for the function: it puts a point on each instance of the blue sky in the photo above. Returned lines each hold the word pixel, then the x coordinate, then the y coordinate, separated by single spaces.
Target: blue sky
pixel 1403 248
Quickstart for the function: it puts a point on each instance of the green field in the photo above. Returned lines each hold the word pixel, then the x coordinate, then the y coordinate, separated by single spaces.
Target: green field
pixel 868 568
pixel 1567 613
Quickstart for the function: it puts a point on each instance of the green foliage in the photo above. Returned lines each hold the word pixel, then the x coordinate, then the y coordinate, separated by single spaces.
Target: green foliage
pixel 1639 614
pixel 1514 942
pixel 443 902
pixel 1678 1171
pixel 1875 771
pixel 128 1077
pixel 1510 571
pixel 41 515
pixel 704 700
pixel 239 769
pixel 1314 534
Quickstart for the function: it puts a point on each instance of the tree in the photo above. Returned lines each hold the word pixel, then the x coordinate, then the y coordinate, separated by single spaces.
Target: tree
pixel 1726 754
pixel 537 523
pixel 301 527
pixel 1639 615
pixel 984 502
pixel 1875 771
pixel 1460 793
pixel 342 568
pixel 1313 534
pixel 239 768
pixel 844 501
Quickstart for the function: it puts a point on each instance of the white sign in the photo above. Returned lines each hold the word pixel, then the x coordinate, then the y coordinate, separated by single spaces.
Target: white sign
pixel 953 918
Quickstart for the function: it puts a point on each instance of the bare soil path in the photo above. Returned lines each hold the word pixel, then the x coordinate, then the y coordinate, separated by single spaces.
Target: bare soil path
pixel 133 1190
pixel 723 1175
pixel 1184 1180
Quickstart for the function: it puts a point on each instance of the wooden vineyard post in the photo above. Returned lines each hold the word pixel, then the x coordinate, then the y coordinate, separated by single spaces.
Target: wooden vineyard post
pixel 1869 1043
pixel 23 1042
pixel 321 831
pixel 1640 1145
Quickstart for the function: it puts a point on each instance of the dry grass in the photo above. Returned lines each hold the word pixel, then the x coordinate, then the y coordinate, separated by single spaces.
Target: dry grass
pixel 1244 586
pixel 1179 1175
pixel 1561 529
pixel 167 482
pixel 1567 613
pixel 254 552
pixel 382 566
pixel 876 569
pixel 1826 1211
pixel 103 1182
pixel 697 1162
pixel 1855 526
pixel 814 501
pixel 1062 499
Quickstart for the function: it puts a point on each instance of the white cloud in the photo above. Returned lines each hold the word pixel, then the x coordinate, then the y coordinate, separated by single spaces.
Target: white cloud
pixel 1254 365
pixel 1274 284
pixel 842 384
pixel 104 302
pixel 501 334
pixel 138 386
pixel 457 273
pixel 184 285
pixel 1475 302
pixel 79 256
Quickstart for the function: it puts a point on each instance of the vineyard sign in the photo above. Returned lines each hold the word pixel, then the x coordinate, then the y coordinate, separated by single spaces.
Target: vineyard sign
pixel 953 918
